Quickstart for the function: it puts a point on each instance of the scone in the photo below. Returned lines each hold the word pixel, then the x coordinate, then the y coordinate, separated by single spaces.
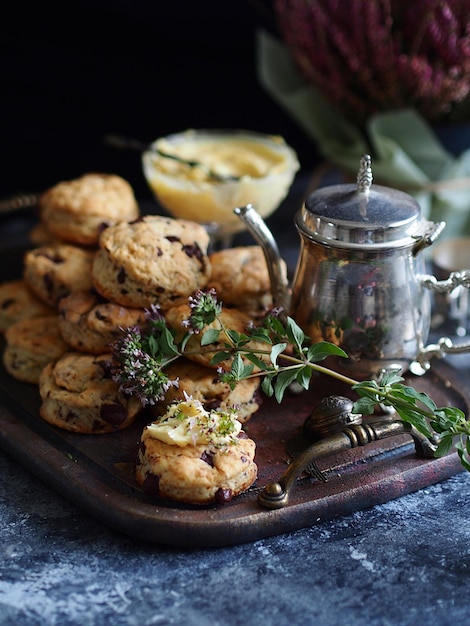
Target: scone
pixel 90 324
pixel 17 302
pixel 203 384
pixel 155 260
pixel 76 211
pixel 240 277
pixel 195 456
pixel 53 272
pixel 232 319
pixel 79 395
pixel 30 345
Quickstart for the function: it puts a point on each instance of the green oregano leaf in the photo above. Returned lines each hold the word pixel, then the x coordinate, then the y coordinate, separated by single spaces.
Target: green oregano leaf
pixel 364 406
pixel 237 367
pixel 219 357
pixel 294 333
pixel 210 336
pixel 323 349
pixel 444 446
pixel 256 360
pixel 267 386
pixel 167 342
pixel 303 377
pixel 276 350
pixel 390 378
pixel 283 380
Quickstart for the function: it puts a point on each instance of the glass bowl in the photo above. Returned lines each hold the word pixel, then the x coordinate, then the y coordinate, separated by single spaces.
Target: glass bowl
pixel 222 169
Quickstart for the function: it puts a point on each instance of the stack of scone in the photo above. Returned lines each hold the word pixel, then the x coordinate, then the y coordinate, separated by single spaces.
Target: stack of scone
pixel 100 265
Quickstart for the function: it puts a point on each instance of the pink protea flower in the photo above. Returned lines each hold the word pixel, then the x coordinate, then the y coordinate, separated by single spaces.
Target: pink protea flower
pixel 375 55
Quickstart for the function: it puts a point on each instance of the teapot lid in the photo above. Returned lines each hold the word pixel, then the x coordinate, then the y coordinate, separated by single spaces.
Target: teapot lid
pixel 360 214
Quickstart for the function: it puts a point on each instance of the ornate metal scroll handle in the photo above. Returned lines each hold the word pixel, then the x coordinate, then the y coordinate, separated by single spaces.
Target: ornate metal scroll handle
pixel 456 279
pixel 438 350
pixel 444 345
pixel 276 495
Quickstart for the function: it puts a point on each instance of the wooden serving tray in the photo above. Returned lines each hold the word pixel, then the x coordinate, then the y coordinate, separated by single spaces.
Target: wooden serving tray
pixel 96 471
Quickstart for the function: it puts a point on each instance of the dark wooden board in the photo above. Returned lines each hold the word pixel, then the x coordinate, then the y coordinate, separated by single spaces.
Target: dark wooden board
pixel 96 471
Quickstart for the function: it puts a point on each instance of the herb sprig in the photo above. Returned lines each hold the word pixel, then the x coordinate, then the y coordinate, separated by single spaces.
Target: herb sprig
pixel 289 356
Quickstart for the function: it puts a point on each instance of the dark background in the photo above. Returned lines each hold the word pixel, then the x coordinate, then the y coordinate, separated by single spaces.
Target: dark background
pixel 74 71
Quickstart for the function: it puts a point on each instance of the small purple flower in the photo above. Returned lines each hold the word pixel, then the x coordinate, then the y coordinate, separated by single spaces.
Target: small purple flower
pixel 204 310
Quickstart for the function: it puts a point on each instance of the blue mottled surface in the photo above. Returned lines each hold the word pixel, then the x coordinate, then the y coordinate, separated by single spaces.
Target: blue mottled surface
pixel 404 562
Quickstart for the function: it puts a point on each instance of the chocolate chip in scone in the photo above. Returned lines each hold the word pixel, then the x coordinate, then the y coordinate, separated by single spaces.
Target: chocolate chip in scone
pixel 222 495
pixel 172 238
pixel 121 277
pixel 151 485
pixel 57 259
pixel 208 458
pixel 114 414
pixel 49 282
pixel 7 303
pixel 99 316
pixel 193 250
pixel 106 366
pixel 213 404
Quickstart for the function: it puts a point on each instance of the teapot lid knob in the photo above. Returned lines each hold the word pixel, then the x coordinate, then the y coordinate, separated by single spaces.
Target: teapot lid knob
pixel 361 214
pixel 364 175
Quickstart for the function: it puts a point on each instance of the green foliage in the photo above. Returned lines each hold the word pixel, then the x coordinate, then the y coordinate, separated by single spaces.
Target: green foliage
pixel 280 354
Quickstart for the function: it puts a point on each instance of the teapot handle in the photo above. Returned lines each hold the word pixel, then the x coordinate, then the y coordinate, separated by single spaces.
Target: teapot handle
pixel 456 279
pixel 438 350
pixel 444 345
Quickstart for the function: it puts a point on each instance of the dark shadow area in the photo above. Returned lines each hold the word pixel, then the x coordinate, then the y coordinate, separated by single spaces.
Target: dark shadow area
pixel 74 71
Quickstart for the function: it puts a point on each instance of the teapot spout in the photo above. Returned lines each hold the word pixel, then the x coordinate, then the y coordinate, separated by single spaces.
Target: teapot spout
pixel 261 233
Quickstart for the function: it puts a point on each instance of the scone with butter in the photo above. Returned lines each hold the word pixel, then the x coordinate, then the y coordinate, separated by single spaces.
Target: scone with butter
pixel 195 456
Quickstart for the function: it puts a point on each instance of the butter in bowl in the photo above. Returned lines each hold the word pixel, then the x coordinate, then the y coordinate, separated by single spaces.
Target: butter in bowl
pixel 202 175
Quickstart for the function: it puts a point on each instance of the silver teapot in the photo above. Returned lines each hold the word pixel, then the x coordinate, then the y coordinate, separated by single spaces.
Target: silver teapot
pixel 360 280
